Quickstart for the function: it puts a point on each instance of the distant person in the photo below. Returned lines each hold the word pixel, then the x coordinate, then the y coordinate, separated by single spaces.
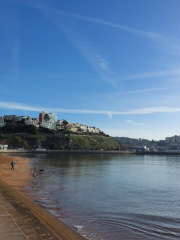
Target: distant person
pixel 12 165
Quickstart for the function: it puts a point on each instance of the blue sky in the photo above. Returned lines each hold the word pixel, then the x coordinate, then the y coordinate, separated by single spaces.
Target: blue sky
pixel 109 64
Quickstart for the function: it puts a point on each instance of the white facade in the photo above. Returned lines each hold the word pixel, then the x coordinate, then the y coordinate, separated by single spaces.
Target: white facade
pixel 13 117
pixel 93 129
pixel 58 124
pixel 51 123
pixel 3 147
pixel 22 117
pixel 53 118
pixel 2 123
pixel 32 121
pixel 140 148
pixel 74 127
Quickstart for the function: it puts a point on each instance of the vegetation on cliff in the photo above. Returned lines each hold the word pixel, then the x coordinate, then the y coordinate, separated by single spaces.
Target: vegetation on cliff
pixel 19 135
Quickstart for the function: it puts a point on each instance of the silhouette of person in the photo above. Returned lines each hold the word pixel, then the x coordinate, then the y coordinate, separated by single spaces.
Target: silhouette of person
pixel 12 165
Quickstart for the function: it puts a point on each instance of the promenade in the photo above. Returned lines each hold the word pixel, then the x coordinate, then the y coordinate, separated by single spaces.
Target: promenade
pixel 21 218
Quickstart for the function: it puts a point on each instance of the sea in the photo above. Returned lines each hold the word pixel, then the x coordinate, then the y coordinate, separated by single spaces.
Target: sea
pixel 111 196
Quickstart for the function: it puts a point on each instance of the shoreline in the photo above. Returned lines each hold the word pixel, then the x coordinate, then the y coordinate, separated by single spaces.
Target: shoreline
pixel 66 151
pixel 16 183
pixel 88 152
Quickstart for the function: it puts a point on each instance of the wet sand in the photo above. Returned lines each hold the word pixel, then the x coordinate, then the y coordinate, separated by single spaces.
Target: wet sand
pixel 18 178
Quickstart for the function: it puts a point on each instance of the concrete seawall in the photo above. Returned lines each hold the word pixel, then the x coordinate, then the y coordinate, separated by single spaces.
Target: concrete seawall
pixel 67 151
pixel 28 220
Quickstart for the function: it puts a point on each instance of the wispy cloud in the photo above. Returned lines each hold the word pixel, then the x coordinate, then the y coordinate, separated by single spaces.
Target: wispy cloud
pixel 92 55
pixel 109 24
pixel 135 123
pixel 3 89
pixel 109 114
pixel 140 111
pixel 151 110
pixel 86 49
pixel 48 8
pixel 140 91
pixel 164 41
pixel 158 74
pixel 89 52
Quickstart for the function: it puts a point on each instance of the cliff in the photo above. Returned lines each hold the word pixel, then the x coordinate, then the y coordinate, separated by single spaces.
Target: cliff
pixel 60 141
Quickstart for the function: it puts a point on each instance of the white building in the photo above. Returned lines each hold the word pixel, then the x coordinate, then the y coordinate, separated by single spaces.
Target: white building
pixel 76 127
pixel 2 123
pixel 93 129
pixel 32 121
pixel 140 148
pixel 53 118
pixel 58 124
pixel 48 120
pixel 22 117
pixel 13 117
pixel 3 147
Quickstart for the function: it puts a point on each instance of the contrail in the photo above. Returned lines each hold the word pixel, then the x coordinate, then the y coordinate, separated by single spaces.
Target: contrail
pixel 109 24
pixel 25 112
pixel 3 89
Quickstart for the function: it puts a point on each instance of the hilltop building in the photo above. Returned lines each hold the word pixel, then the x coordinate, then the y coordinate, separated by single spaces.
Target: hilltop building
pixel 77 127
pixel 13 117
pixel 2 123
pixel 32 121
pixel 47 120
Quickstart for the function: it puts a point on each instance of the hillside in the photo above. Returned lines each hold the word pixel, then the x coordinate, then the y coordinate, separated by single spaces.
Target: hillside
pixel 60 141
pixel 17 135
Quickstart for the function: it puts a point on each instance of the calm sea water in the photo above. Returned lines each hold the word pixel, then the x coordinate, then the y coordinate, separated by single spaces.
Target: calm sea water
pixel 112 197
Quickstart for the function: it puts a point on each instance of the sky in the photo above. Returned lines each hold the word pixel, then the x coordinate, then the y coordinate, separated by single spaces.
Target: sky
pixel 112 64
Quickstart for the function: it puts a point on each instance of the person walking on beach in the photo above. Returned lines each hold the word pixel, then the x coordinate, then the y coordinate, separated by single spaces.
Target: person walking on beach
pixel 12 165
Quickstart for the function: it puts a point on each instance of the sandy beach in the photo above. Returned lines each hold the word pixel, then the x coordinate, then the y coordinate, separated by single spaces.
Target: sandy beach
pixel 18 178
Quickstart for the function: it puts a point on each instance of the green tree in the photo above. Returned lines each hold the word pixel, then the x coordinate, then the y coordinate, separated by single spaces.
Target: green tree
pixel 30 129
pixel 46 117
pixel 64 126
pixel 79 130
